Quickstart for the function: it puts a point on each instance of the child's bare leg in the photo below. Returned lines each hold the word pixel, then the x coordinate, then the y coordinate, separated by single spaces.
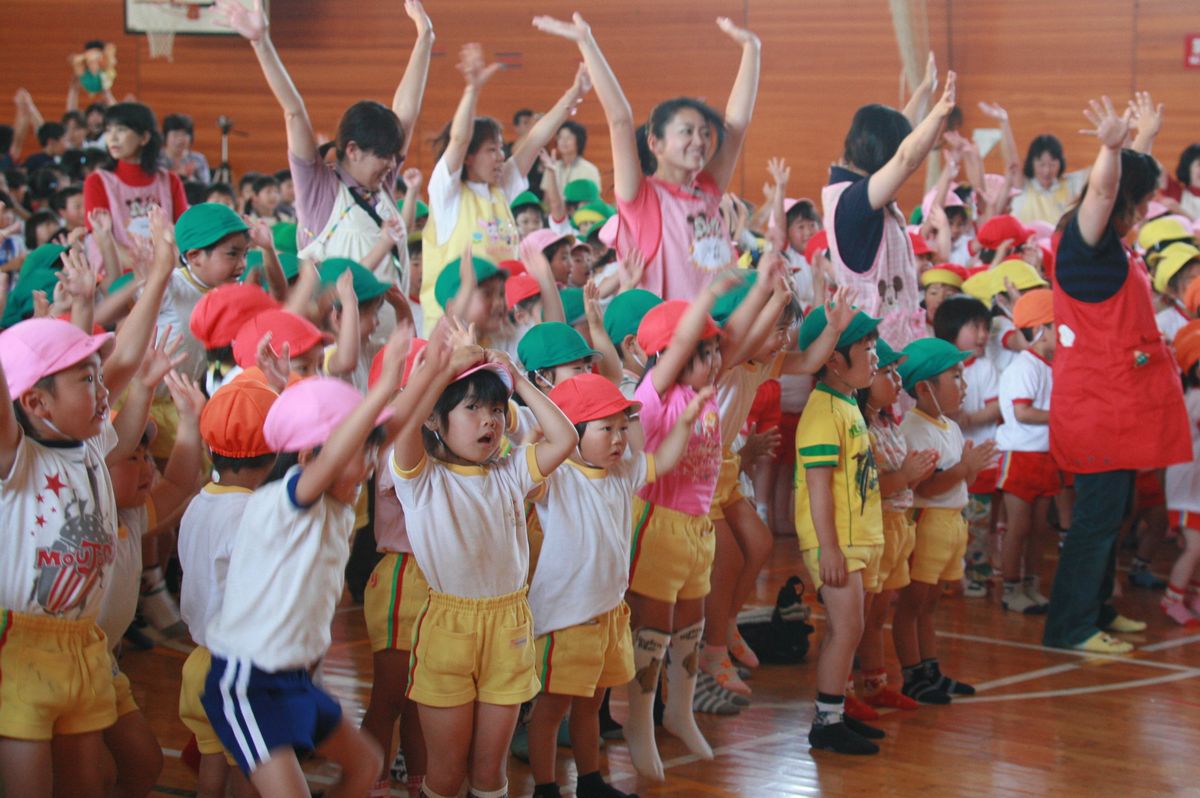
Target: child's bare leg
pixel 870 647
pixel 1148 544
pixel 782 505
pixel 387 700
pixel 214 775
pixel 755 541
pixel 27 767
pixel 494 725
pixel 1035 541
pixel 910 627
pixel 718 606
pixel 832 729
pixel 585 732
pixel 1183 574
pixel 280 776
pixel 412 741
pixel 448 731
pixel 904 624
pixel 651 621
pixel 359 756
pixel 926 634
pixel 1021 521
pixel 548 713
pixel 137 754
pixel 81 756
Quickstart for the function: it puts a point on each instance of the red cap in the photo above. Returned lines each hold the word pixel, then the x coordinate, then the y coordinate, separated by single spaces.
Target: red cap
pixel 919 244
pixel 659 323
pixel 519 288
pixel 588 397
pixel 297 332
pixel 999 229
pixel 818 241
pixel 221 312
pixel 513 267
pixel 414 349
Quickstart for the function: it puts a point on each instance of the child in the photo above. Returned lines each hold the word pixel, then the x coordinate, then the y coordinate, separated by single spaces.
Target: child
pixel 478 301
pixel 292 336
pixel 580 618
pixel 900 468
pixel 933 375
pixel 445 467
pixel 1177 267
pixel 273 624
pixel 56 489
pixel 621 320
pixel 264 202
pixel 964 321
pixel 141 501
pixel 1181 602
pixel 527 213
pixel 1029 477
pixel 838 519
pixel 231 426
pixel 553 352
pixel 215 322
pixel 938 284
pixel 1005 343
pixel 354 319
pixel 669 175
pixel 473 183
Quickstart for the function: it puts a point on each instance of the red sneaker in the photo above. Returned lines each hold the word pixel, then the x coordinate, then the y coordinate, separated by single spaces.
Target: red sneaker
pixel 858 710
pixel 889 698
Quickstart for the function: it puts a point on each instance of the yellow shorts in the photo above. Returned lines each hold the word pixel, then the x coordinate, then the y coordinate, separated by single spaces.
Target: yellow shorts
pixel 672 553
pixel 55 677
pixel 899 537
pixel 858 558
pixel 362 507
pixel 191 711
pixel 122 689
pixel 940 546
pixel 578 659
pixel 473 650
pixel 395 594
pixel 165 416
pixel 729 487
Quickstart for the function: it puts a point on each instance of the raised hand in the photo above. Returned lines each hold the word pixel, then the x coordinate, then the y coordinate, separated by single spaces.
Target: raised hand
pixel 395 352
pixel 930 77
pixel 995 111
pixel 581 86
pixel 474 68
pixel 591 304
pixel 839 310
pixel 251 23
pixel 725 282
pixel 345 289
pixel 760 444
pixel 413 179
pixel 277 368
pixel 101 221
pixel 742 36
pixel 416 12
pixel 779 171
pixel 260 233
pixel 576 30
pixel 946 102
pixel 1147 117
pixel 162 356
pixel 458 334
pixel 1109 128
pixel 77 278
pixel 186 395
pixel 630 269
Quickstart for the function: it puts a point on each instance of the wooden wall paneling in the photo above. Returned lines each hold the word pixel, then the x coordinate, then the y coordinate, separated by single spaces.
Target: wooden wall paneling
pixel 1161 26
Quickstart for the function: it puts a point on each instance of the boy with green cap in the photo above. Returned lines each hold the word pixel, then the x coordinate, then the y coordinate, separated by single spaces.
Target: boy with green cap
pixel 839 519
pixel 527 213
pixel 932 373
pixel 353 318
pixel 621 320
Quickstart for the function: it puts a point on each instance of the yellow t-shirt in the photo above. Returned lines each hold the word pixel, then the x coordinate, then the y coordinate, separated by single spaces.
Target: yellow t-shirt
pixel 833 434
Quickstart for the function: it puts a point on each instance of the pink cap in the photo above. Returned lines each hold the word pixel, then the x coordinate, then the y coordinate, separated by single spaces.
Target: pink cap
pixel 952 201
pixel 535 242
pixel 37 348
pixel 306 413
pixel 789 203
pixel 495 368
pixel 1156 209
pixel 993 183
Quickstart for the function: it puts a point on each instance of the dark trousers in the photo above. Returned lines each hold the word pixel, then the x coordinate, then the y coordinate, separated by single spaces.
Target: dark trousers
pixel 1079 603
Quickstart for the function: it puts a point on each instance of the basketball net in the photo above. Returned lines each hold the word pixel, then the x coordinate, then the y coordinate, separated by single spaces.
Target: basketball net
pixel 162 42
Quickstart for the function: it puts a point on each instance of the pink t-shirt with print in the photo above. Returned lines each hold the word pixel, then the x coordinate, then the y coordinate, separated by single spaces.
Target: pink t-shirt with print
pixel 681 234
pixel 689 487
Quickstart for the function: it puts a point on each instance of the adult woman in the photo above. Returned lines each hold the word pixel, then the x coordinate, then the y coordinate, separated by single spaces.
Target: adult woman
pixel 570 143
pixel 1183 187
pixel 178 155
pixel 1116 406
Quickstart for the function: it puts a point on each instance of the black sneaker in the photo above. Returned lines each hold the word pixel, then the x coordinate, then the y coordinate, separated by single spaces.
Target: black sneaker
pixel 863 729
pixel 839 738
pixel 926 693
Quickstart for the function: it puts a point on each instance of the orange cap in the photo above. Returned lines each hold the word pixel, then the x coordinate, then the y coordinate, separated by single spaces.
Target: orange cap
pixel 1191 297
pixel 232 421
pixel 1187 345
pixel 1034 308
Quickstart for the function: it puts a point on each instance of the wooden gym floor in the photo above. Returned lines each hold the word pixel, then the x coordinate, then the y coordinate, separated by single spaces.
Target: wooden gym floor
pixel 1045 722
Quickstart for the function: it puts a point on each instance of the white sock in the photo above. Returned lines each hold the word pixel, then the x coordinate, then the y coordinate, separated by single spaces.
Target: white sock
pixel 649 648
pixel 500 793
pixel 682 665
pixel 429 793
pixel 156 604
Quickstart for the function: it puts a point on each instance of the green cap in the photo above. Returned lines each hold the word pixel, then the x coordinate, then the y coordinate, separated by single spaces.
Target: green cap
pixel 47 256
pixel 887 356
pixel 625 312
pixel 205 224
pixel 925 358
pixel 582 191
pixel 366 285
pixel 449 281
pixel 595 212
pixel 523 199
pixel 550 344
pixel 287 261
pixel 42 276
pixel 572 301
pixel 122 281
pixel 284 234
pixel 422 210
pixel 814 323
pixel 727 303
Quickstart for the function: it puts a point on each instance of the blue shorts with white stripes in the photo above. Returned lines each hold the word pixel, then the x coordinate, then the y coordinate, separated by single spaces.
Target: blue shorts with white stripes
pixel 255 712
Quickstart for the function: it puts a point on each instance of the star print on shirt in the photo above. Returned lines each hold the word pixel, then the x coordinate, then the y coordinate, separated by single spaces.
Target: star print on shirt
pixel 53 483
pixel 40 520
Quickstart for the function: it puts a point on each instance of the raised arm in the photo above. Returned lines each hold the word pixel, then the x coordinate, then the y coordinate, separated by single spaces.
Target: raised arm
pixel 527 149
pixel 551 190
pixel 476 74
pixel 885 183
pixel 1008 142
pixel 1105 177
pixel 627 169
pixel 674 446
pixel 679 352
pixel 130 423
pixel 406 102
pixel 260 236
pixel 1147 120
pixel 412 192
pixel 552 306
pixel 610 362
pixel 345 357
pixel 559 437
pixel 740 106
pixel 185 468
pixel 919 101
pixel 254 26
pixel 737 343
pixel 10 430
pixel 838 314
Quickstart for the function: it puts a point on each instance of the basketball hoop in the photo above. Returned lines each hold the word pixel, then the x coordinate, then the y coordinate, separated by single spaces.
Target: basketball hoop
pixel 160 20
pixel 162 44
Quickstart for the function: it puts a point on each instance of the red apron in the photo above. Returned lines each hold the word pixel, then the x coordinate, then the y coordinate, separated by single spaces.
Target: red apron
pixel 1117 401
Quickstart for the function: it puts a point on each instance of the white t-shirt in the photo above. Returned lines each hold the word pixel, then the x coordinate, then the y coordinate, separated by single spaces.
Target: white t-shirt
pixel 180 299
pixel 802 277
pixel 58 514
pixel 444 190
pixel 1170 320
pixel 466 524
pixel 587 519
pixel 206 534
pixel 943 436
pixel 286 575
pixel 1182 483
pixel 1027 381
pixel 391 532
pixel 736 390
pixel 1000 355
pixel 983 386
pixel 119 604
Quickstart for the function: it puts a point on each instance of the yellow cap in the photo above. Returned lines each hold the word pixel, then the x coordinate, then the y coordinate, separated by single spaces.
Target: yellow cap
pixel 1154 233
pixel 1020 274
pixel 1170 262
pixel 937 276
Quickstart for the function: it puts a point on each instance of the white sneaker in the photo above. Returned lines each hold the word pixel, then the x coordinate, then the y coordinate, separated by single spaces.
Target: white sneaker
pixel 1031 585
